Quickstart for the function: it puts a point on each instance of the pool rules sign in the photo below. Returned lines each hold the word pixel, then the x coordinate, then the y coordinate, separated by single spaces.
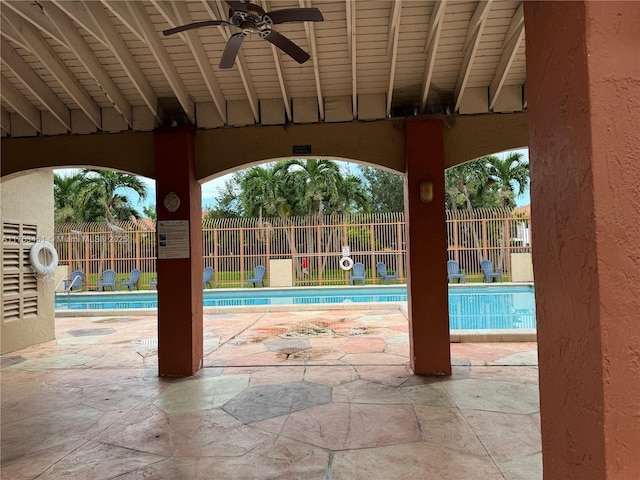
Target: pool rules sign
pixel 173 239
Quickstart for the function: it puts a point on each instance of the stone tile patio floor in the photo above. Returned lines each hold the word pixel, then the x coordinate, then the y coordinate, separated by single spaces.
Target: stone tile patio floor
pixel 304 395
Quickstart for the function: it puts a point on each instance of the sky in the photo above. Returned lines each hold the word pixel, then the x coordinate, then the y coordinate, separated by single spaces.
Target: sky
pixel 211 188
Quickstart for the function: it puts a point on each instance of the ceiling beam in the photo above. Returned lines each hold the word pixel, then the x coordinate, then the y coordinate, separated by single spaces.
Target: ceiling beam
pixel 474 34
pixel 91 63
pixel 286 99
pixel 77 12
pixel 33 13
pixel 20 104
pixel 34 83
pixel 7 31
pixel 310 30
pixel 177 13
pixel 515 34
pixel 477 21
pixel 437 17
pixel 394 33
pixel 154 43
pixel 514 26
pixel 431 48
pixel 126 16
pixel 99 18
pixel 52 62
pixel 352 48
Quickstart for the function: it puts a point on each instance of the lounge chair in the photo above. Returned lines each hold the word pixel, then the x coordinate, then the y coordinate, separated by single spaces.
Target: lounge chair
pixel 108 279
pixel 258 275
pixel 207 275
pixel 357 273
pixel 153 282
pixel 453 271
pixel 384 274
pixel 133 281
pixel 75 282
pixel 489 273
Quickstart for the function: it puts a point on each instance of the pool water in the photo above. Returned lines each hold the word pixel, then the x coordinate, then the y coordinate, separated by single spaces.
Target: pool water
pixel 470 307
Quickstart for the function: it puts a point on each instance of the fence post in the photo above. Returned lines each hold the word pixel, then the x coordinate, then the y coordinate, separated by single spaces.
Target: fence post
pixel 241 256
pixel 456 247
pixel 87 256
pixel 484 238
pixel 507 242
pixel 137 249
pixel 214 232
pixel 372 250
pixel 319 256
pixel 399 256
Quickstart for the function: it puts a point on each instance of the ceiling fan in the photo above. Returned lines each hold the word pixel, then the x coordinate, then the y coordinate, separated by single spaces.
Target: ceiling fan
pixel 251 18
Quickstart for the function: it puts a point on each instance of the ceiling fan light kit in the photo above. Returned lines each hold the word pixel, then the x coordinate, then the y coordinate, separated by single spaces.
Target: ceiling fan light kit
pixel 251 18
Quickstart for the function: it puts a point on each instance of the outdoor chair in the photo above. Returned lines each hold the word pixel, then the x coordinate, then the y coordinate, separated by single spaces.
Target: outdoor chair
pixel 153 282
pixel 207 275
pixel 489 273
pixel 108 279
pixel 75 283
pixel 258 275
pixel 134 279
pixel 357 273
pixel 384 274
pixel 453 271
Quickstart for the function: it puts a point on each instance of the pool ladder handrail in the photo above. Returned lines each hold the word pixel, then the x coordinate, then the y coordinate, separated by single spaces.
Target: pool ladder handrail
pixel 68 289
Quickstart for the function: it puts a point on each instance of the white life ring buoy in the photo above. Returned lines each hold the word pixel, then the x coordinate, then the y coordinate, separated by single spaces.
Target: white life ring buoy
pixel 50 251
pixel 346 263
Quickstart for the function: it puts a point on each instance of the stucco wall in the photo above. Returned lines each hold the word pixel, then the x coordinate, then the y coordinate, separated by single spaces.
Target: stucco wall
pixel 224 150
pixel 29 199
pixel 583 82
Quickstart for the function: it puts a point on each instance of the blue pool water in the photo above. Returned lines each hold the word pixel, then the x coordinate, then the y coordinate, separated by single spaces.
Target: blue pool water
pixel 470 307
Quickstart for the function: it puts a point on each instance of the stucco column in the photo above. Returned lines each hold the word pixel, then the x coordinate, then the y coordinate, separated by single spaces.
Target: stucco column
pixel 180 326
pixel 583 88
pixel 426 248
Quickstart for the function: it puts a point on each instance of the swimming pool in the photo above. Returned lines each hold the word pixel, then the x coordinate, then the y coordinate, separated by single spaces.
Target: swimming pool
pixel 470 307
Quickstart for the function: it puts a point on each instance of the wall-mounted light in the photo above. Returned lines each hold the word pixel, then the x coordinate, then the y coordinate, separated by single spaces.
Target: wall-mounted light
pixel 426 191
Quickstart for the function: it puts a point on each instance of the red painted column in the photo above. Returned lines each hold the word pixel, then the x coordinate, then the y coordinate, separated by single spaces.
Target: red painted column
pixel 426 248
pixel 583 88
pixel 180 336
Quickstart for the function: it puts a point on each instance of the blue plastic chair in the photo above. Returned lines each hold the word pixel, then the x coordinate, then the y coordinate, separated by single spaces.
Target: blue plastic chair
pixel 75 283
pixel 108 280
pixel 153 282
pixel 384 274
pixel 489 273
pixel 453 271
pixel 258 275
pixel 357 273
pixel 207 275
pixel 134 279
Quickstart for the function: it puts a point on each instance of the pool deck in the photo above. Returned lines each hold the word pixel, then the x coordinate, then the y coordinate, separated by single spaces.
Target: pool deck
pixel 316 394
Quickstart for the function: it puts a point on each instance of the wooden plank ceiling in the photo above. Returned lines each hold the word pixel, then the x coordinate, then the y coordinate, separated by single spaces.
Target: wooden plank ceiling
pixel 104 66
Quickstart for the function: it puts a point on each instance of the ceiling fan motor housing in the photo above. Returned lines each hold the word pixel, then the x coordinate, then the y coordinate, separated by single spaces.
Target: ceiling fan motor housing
pixel 251 19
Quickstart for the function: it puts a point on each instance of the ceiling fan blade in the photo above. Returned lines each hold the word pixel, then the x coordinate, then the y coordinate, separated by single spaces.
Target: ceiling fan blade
pixel 237 5
pixel 286 45
pixel 231 50
pixel 190 26
pixel 295 15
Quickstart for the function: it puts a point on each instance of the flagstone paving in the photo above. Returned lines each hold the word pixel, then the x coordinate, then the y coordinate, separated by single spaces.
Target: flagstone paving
pixel 307 395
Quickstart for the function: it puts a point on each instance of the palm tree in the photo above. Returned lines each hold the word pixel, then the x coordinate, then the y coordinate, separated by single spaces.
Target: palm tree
pixel 263 192
pixel 317 181
pixel 103 189
pixel 466 185
pixel 506 173
pixel 65 198
pixel 351 196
